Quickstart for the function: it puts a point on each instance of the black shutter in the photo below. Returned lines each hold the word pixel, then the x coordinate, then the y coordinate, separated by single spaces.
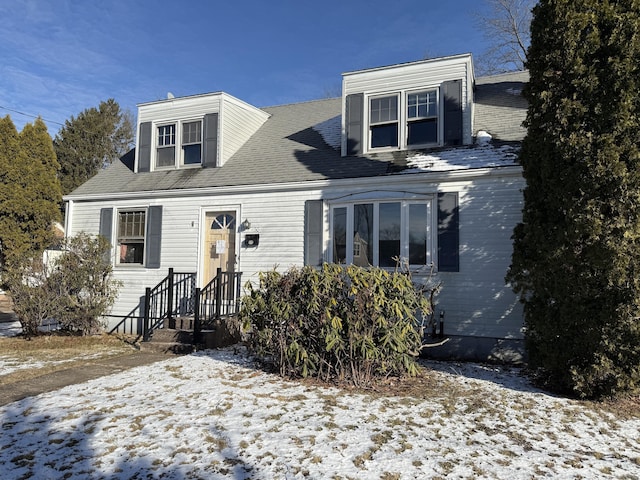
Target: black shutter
pixel 354 113
pixel 313 254
pixel 144 144
pixel 210 147
pixel 448 232
pixel 154 236
pixel 106 229
pixel 452 92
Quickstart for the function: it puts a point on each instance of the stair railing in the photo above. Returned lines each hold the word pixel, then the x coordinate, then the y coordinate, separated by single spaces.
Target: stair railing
pixel 171 298
pixel 218 299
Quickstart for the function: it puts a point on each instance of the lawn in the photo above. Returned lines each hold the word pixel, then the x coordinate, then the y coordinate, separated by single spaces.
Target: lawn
pixel 214 414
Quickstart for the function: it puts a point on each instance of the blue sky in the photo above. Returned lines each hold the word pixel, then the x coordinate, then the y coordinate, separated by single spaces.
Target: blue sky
pixel 59 57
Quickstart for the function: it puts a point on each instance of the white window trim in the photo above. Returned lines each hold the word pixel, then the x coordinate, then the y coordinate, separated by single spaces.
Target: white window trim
pixel 118 211
pixel 179 151
pixel 403 119
pixel 432 228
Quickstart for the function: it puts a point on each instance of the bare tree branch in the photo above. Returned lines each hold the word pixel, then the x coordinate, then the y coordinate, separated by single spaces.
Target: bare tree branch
pixel 506 27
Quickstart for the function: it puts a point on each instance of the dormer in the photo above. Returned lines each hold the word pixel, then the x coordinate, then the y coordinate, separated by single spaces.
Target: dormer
pixel 193 132
pixel 416 105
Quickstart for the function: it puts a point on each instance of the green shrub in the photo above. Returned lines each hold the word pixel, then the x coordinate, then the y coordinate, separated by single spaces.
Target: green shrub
pixel 341 322
pixel 76 288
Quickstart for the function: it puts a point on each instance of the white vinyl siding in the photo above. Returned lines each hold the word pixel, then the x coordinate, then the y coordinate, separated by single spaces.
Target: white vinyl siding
pixel 238 123
pixel 238 120
pixel 476 300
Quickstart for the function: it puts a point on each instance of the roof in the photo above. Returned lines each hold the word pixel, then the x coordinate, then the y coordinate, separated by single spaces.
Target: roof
pixel 500 107
pixel 301 142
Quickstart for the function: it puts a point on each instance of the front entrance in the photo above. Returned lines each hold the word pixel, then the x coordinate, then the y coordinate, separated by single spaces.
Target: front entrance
pixel 220 243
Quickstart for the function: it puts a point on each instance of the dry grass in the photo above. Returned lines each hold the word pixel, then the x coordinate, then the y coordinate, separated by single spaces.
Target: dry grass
pixel 57 352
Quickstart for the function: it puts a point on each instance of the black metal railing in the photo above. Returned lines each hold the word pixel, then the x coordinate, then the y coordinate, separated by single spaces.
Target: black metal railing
pixel 218 299
pixel 170 299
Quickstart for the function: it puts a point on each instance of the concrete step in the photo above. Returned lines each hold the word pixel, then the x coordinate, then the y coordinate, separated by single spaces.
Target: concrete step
pixel 167 340
pixel 166 347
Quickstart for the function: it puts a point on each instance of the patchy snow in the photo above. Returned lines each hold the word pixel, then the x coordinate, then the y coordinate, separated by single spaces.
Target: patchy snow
pixel 10 329
pixel 482 155
pixel 331 131
pixel 212 415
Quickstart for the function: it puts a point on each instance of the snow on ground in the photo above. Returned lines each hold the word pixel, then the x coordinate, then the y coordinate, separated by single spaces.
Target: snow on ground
pixel 212 415
pixel 10 329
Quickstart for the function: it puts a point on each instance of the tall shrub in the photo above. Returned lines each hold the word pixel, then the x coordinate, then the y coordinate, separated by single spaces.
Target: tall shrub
pixel 576 260
pixel 76 289
pixel 343 322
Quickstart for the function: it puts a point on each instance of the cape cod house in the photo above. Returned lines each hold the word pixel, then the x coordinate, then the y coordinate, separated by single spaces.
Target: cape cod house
pixel 415 160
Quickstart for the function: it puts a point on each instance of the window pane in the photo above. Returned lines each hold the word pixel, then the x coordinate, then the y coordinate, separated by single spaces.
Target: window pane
pixel 132 252
pixel 417 234
pixel 389 242
pixel 339 235
pixel 191 132
pixel 384 109
pixel 166 135
pixel 192 154
pixel 363 234
pixel 131 229
pixel 166 157
pixel 384 135
pixel 422 105
pixel 423 131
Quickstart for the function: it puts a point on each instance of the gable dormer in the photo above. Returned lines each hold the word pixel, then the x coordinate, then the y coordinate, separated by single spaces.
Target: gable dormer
pixel 414 105
pixel 195 131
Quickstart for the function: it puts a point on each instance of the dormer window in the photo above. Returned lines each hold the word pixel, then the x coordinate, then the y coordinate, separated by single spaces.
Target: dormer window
pixel 190 148
pixel 383 121
pixel 166 152
pixel 192 143
pixel 422 118
pixel 419 112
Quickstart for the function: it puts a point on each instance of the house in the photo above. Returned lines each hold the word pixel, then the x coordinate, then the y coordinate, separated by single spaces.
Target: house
pixel 418 160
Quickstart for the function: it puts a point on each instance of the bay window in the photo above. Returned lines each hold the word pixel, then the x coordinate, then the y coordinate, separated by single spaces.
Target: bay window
pixel 378 232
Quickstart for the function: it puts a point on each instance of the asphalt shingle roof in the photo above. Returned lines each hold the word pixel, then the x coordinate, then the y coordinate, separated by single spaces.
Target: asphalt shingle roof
pixel 289 147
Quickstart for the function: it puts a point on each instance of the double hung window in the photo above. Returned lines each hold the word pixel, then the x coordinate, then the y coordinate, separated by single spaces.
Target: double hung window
pixel 190 145
pixel 131 236
pixel 422 118
pixel 404 119
pixel 166 152
pixel 383 121
pixel 378 233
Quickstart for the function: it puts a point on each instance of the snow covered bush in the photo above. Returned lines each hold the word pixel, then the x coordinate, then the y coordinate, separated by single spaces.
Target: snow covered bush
pixel 340 322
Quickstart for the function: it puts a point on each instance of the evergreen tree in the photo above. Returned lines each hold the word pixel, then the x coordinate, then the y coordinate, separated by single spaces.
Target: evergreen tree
pixel 92 140
pixel 576 260
pixel 29 191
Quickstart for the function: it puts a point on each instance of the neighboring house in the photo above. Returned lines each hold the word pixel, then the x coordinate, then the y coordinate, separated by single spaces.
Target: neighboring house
pixel 403 160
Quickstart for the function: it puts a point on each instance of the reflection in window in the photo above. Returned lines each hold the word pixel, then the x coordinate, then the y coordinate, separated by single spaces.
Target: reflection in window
pixel 192 142
pixel 383 121
pixel 340 235
pixel 418 234
pixel 224 221
pixel 422 118
pixel 166 151
pixel 389 228
pixel 363 234
pixel 131 229
pixel 380 232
